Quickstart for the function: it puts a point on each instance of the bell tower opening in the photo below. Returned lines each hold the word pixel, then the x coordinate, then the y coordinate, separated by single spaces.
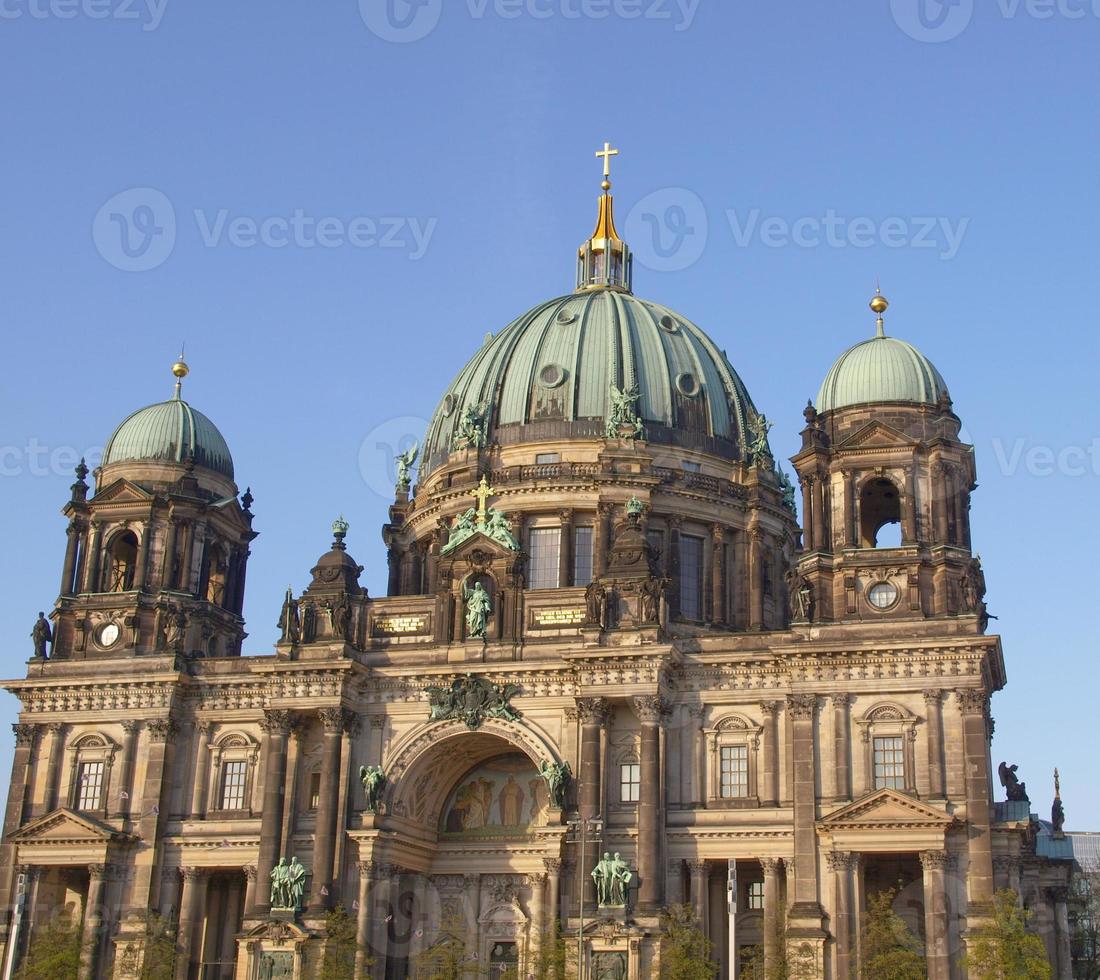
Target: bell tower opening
pixel 880 515
pixel 121 562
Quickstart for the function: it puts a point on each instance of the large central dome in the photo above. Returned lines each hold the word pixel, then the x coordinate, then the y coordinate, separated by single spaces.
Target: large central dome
pixel 549 375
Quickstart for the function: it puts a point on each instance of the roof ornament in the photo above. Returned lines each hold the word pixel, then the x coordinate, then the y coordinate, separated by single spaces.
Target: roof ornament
pixel 1057 810
pixel 180 370
pixel 605 260
pixel 879 305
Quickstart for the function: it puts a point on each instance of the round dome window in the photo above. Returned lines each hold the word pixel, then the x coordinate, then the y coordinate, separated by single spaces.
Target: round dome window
pixel 566 316
pixel 687 385
pixel 449 404
pixel 668 324
pixel 552 376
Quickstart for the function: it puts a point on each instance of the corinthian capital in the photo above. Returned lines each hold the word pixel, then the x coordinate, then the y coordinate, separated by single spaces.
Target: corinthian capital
pixel 593 710
pixel 649 708
pixel 801 706
pixel 972 701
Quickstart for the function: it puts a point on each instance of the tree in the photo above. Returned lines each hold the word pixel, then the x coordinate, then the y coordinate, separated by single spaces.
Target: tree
pixel 1085 925
pixel 685 951
pixel 54 952
pixel 753 966
pixel 446 959
pixel 159 959
pixel 890 950
pixel 338 962
pixel 1004 949
pixel 553 960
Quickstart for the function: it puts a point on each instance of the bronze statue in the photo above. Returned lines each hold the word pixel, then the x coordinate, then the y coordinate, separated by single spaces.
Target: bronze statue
pixel 557 776
pixel 374 781
pixel 595 599
pixel 289 621
pixel 1015 790
pixel 42 636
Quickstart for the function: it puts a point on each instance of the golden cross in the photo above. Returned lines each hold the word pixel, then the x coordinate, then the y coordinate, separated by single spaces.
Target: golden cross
pixel 483 493
pixel 607 153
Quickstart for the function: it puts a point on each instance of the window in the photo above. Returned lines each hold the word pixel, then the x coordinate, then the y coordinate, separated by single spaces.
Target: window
pixel 89 785
pixel 691 577
pixel 503 960
pixel 630 782
pixel 879 508
pixel 754 896
pixel 314 790
pixel 582 556
pixel 545 557
pixel 234 778
pixel 545 459
pixel 121 559
pixel 690 467
pixel 734 775
pixel 889 762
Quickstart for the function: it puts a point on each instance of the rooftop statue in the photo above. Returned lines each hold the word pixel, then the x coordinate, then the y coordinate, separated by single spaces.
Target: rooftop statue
pixel 1015 790
pixel 41 635
pixel 623 421
pixel 759 451
pixel 471 430
pixel 404 464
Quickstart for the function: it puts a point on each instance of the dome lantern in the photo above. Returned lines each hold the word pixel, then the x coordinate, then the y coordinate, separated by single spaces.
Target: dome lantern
pixel 605 261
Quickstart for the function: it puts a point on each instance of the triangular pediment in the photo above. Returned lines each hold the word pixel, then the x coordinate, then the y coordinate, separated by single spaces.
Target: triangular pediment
pixel 122 492
pixel 66 826
pixel 884 808
pixel 876 435
pixel 479 541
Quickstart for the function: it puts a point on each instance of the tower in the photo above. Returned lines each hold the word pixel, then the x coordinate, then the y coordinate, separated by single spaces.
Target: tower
pixel 882 455
pixel 156 558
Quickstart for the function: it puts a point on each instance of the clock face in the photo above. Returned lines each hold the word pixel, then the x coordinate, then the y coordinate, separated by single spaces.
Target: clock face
pixel 882 595
pixel 108 636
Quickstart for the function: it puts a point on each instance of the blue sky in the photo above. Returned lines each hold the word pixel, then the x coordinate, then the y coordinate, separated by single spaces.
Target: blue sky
pixel 332 204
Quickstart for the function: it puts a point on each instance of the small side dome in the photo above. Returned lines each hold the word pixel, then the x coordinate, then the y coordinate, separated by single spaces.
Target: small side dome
pixel 881 370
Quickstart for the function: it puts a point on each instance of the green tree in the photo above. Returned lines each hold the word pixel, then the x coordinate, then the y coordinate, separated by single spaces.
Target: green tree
pixel 159 959
pixel 338 962
pixel 445 959
pixel 556 958
pixel 890 950
pixel 1004 949
pixel 685 951
pixel 54 952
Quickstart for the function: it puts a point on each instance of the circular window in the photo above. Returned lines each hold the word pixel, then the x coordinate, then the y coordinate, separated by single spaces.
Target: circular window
pixel 668 324
pixel 108 635
pixel 552 376
pixel 687 384
pixel 449 404
pixel 566 316
pixel 882 595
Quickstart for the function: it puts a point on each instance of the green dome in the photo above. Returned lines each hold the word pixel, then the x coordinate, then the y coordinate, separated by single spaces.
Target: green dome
pixel 882 369
pixel 170 432
pixel 548 375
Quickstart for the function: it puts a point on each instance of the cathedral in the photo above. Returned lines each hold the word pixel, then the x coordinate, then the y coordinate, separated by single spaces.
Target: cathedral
pixel 624 662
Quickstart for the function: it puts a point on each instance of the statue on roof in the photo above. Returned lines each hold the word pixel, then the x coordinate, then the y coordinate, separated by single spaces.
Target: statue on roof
pixel 470 433
pixel 623 421
pixel 759 451
pixel 499 528
pixel 1015 790
pixel 404 463
pixel 41 635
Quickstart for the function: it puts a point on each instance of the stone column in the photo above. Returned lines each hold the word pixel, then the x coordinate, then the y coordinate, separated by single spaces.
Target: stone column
pixel 565 549
pixel 202 769
pixel 93 922
pixel 537 882
pixel 1059 898
pixel 142 569
pixel 820 543
pixel 675 523
pixel 249 886
pixel 937 958
pixel 55 753
pixel 472 883
pixel 937 786
pixel 756 579
pixel 594 713
pixel 974 707
pixel 649 709
pixel 772 939
pixel 16 811
pixel 333 720
pixel 368 871
pixel 171 532
pixel 844 921
pixel 769 787
pixel 718 574
pixel 600 543
pixel 191 909
pixel 130 730
pixel 801 708
pixel 92 557
pixel 68 569
pixel 276 727
pixel 553 881
pixel 698 872
pixel 698 754
pixel 185 533
pixel 842 747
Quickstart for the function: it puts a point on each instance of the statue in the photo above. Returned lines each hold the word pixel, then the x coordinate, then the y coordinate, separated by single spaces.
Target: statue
pixel 759 451
pixel 478 609
pixel 1015 790
pixel 652 592
pixel 288 885
pixel 175 633
pixel 611 876
pixel 609 966
pixel 499 528
pixel 290 624
pixel 622 420
pixel 374 781
pixel 42 636
pixel 471 430
pixel 803 602
pixel 339 618
pixel 279 898
pixel 786 488
pixel 1057 810
pixel 309 622
pixel 404 464
pixel 557 776
pixel 465 526
pixel 472 699
pixel 634 507
pixel 595 598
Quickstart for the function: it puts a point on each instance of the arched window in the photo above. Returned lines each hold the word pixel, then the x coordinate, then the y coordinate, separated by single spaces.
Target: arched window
pixel 733 744
pixel 90 775
pixel 234 762
pixel 888 732
pixel 121 560
pixel 879 507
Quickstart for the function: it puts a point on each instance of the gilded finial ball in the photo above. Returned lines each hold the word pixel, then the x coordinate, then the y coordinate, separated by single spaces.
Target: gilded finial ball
pixel 180 368
pixel 879 304
pixel 606 185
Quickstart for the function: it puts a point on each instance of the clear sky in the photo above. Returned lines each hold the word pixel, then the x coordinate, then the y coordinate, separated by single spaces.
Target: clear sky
pixel 333 202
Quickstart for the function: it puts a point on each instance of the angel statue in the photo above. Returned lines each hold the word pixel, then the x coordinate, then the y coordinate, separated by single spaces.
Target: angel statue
pixel 759 450
pixel 623 421
pixel 499 528
pixel 374 781
pixel 478 609
pixel 404 464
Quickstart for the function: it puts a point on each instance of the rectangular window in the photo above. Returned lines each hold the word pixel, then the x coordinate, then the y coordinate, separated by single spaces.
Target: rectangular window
pixel 582 556
pixel 234 775
pixel 734 771
pixel 890 763
pixel 89 785
pixel 545 459
pixel 314 790
pixel 690 467
pixel 630 782
pixel 691 577
pixel 754 896
pixel 544 550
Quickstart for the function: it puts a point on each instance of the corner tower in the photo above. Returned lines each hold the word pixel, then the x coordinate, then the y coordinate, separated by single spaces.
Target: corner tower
pixel 156 558
pixel 886 484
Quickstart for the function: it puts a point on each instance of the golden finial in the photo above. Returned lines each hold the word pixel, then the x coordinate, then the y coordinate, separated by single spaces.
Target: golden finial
pixel 180 370
pixel 1057 785
pixel 879 305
